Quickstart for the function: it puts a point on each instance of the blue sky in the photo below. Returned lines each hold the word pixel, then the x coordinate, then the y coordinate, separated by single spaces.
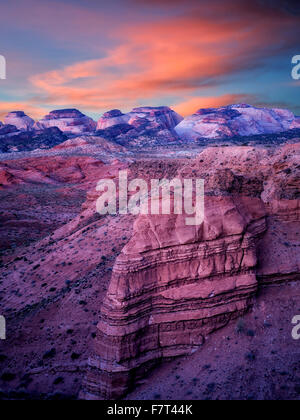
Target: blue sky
pixel 99 55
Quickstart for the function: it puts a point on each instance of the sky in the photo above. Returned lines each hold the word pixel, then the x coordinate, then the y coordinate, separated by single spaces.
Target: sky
pixel 97 55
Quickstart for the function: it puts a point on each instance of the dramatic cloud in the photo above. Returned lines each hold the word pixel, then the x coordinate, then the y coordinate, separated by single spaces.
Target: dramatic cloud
pixel 174 56
pixel 160 52
pixel 34 111
pixel 190 106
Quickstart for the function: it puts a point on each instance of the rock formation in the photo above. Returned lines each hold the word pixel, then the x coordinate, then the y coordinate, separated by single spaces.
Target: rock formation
pixel 111 118
pixel 157 117
pixel 67 120
pixel 235 120
pixel 150 127
pixel 173 284
pixel 140 128
pixel 279 250
pixel 20 120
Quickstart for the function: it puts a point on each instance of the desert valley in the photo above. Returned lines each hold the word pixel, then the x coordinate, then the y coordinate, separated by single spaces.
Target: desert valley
pixel 143 306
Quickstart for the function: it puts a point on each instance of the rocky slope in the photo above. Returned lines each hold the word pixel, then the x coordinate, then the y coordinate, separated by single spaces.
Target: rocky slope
pixel 161 290
pixel 253 358
pixel 141 128
pixel 20 120
pixel 173 285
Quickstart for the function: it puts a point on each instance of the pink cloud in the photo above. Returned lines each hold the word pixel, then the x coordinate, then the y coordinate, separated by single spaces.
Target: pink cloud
pixel 191 105
pixel 174 56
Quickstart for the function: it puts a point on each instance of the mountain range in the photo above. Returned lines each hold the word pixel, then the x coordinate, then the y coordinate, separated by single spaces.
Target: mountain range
pixel 144 126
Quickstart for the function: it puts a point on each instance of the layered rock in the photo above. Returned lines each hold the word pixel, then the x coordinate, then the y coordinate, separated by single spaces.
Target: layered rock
pixel 173 285
pixel 235 120
pixel 140 128
pixel 280 249
pixel 161 117
pixel 20 120
pixel 111 118
pixel 67 120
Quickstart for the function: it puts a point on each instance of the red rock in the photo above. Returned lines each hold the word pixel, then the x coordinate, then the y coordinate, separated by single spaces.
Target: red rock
pixel 172 286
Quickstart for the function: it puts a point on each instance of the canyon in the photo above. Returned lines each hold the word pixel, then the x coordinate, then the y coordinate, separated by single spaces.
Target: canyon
pixel 112 306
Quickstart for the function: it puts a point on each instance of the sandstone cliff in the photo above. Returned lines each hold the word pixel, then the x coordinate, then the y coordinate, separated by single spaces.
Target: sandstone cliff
pixel 173 284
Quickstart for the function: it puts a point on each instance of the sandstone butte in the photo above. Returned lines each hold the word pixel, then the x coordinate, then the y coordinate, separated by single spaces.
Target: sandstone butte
pixel 173 285
pixel 209 123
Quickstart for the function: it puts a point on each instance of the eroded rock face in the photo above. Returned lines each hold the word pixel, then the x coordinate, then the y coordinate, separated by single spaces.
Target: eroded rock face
pixel 111 118
pixel 235 120
pixel 53 193
pixel 280 249
pixel 173 285
pixel 20 120
pixel 67 120
pixel 142 127
pixel 155 117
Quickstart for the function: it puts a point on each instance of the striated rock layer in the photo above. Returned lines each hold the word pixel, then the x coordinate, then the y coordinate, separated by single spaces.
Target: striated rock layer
pixel 172 286
pixel 67 120
pixel 157 117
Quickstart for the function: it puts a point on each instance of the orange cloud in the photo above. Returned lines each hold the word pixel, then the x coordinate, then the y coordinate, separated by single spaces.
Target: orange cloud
pixel 190 106
pixel 31 110
pixel 174 56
